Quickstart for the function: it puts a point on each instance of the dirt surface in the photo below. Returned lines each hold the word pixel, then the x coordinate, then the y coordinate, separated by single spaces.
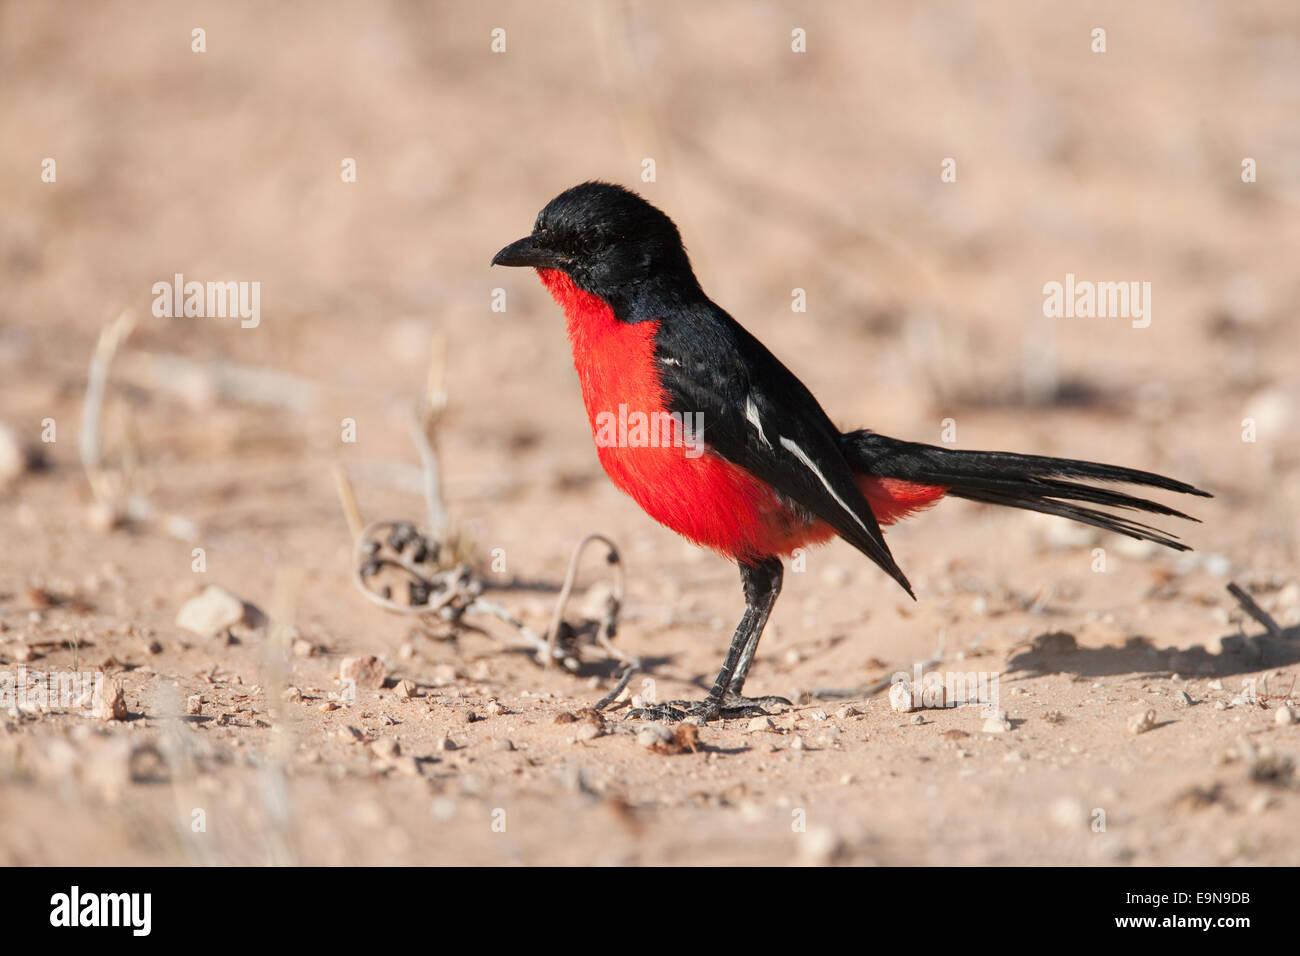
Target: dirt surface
pixel 817 171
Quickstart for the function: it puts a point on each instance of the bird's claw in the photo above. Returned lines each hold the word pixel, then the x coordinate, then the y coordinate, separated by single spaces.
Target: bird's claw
pixel 729 707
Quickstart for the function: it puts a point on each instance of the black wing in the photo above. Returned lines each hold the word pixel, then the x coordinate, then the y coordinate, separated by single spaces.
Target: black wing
pixel 758 415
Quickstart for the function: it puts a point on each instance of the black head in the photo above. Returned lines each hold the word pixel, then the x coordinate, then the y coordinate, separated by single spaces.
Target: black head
pixel 608 239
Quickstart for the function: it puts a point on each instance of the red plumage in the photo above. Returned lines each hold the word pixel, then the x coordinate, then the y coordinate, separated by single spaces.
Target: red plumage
pixel 704 498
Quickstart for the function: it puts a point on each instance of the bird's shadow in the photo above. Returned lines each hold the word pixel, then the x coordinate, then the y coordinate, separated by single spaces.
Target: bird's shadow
pixel 1059 652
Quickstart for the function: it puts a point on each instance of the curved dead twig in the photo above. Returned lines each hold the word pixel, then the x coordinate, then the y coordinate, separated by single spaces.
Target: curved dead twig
pixel 451 593
pixel 610 620
pixel 632 667
pixel 89 445
pixel 453 583
pixel 458 590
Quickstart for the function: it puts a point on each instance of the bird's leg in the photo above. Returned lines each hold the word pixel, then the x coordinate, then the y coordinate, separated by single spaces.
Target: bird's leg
pixel 762 584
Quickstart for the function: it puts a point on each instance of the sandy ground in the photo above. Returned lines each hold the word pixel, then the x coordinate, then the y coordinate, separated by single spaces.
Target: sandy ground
pixel 818 171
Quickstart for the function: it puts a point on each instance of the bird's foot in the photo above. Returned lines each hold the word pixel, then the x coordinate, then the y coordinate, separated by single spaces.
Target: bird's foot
pixel 729 707
pixel 754 706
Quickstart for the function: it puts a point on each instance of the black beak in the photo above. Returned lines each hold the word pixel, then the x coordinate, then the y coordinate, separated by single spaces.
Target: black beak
pixel 526 252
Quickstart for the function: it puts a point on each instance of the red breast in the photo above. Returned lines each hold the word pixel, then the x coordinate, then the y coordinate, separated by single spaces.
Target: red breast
pixel 700 496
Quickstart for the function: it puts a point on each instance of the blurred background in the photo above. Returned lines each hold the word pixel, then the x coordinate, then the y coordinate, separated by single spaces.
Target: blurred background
pixel 817 170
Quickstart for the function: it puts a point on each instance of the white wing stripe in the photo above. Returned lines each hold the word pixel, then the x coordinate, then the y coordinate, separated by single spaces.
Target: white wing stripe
pixel 808 463
pixel 751 413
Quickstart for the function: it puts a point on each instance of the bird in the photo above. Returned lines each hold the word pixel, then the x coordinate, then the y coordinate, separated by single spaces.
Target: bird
pixel 715 438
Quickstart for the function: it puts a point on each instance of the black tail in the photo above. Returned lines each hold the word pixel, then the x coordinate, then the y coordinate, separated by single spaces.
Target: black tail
pixel 1032 482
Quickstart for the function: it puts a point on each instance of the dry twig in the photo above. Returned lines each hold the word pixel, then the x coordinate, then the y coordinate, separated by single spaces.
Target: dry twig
pixel 90 440
pixel 348 499
pixel 441 586
pixel 609 621
pixel 631 668
pixel 112 488
pixel 1254 610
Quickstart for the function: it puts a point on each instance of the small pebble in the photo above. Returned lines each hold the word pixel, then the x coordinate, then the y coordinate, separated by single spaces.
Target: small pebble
pixel 368 671
pixel 214 611
pixel 1261 803
pixel 653 734
pixel 1141 723
pixel 901 698
pixel 385 749
pixel 997 725
pixel 1283 716
pixel 112 705
pixel 1069 813
pixel 760 724
pixel 820 847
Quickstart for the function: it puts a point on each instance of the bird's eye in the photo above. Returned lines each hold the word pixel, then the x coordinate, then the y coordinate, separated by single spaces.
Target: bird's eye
pixel 591 242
